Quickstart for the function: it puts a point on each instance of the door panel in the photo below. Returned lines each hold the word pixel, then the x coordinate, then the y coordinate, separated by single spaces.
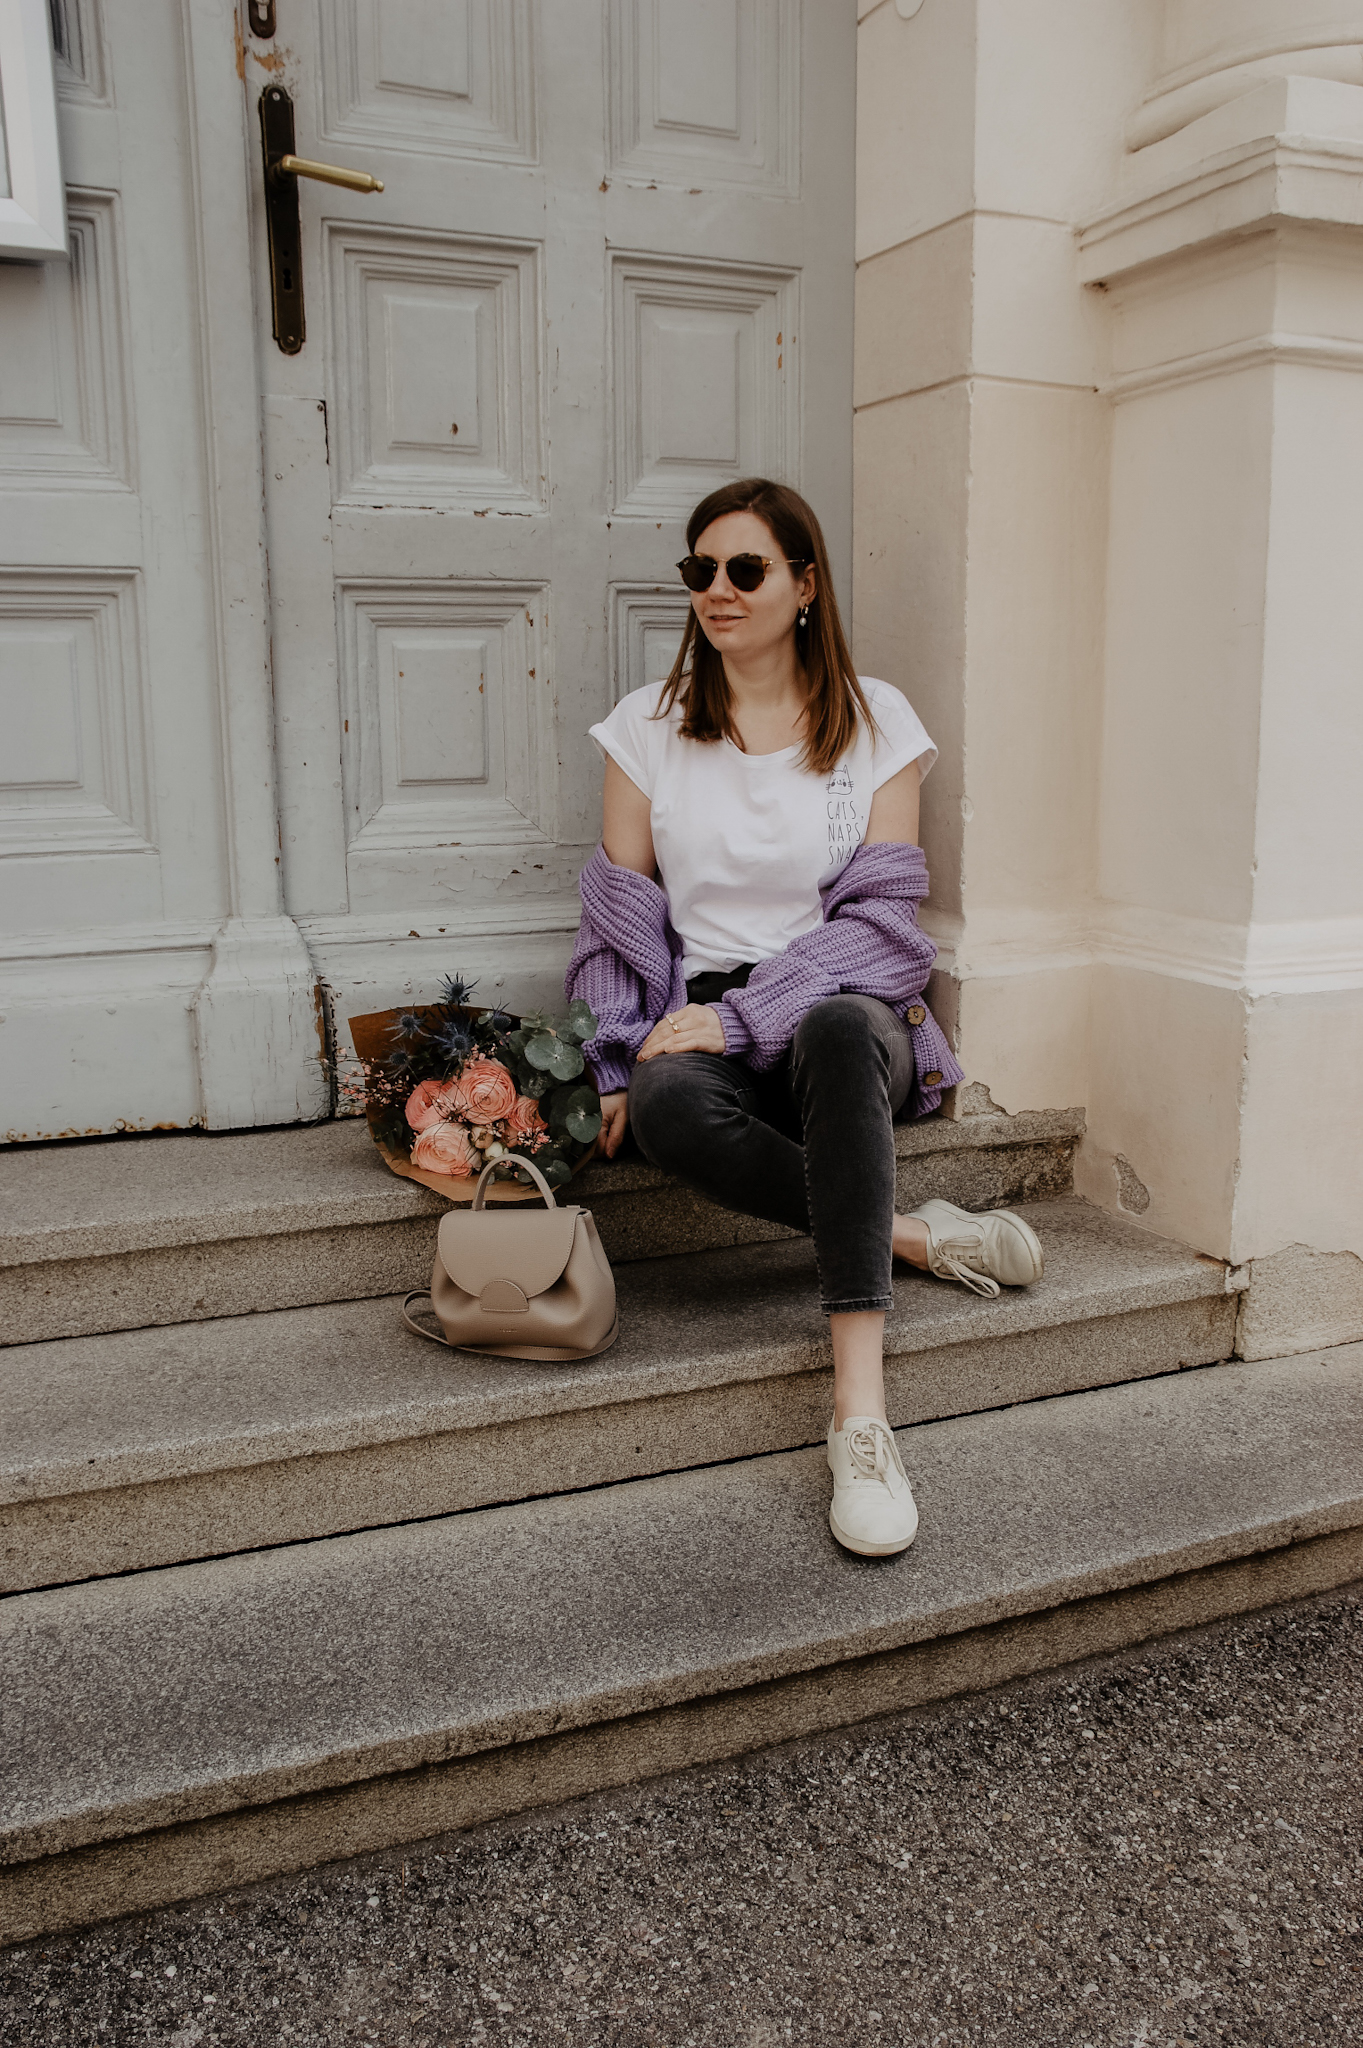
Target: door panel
pixel 446 77
pixel 707 91
pixel 702 391
pixel 446 731
pixel 436 378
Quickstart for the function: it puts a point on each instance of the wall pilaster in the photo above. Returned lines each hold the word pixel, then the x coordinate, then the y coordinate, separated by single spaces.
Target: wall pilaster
pixel 1230 852
pixel 1109 510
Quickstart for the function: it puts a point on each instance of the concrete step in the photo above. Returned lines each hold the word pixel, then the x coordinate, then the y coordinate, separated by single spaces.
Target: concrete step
pixel 181 1731
pixel 126 1233
pixel 143 1448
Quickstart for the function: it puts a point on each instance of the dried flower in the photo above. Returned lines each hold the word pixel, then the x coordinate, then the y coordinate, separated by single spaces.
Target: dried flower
pixel 452 1040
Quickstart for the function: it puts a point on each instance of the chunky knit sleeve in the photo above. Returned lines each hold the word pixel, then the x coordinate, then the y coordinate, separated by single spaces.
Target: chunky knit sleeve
pixel 600 977
pixel 626 963
pixel 868 944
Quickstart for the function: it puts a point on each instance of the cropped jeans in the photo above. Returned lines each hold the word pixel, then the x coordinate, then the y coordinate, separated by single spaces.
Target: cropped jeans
pixel 810 1143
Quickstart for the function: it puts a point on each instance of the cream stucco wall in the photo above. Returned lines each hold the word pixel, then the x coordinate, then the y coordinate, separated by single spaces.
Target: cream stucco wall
pixel 1109 507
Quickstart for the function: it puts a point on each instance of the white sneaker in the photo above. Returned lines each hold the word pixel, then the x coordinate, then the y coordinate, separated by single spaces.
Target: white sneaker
pixel 872 1511
pixel 980 1251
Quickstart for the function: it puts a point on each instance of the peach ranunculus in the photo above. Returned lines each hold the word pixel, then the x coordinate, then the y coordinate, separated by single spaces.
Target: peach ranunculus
pixel 482 1093
pixel 445 1148
pixel 425 1106
pixel 524 1119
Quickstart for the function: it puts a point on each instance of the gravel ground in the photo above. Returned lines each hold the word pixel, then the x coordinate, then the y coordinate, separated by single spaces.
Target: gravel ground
pixel 1152 1850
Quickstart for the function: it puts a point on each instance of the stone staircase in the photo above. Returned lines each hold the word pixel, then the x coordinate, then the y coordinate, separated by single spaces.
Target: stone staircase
pixel 285 1583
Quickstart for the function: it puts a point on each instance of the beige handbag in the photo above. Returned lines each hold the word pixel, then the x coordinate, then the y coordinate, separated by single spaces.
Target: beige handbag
pixel 520 1283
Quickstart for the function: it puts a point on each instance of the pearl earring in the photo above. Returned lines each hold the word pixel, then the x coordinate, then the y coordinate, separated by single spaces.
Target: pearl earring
pixel 804 615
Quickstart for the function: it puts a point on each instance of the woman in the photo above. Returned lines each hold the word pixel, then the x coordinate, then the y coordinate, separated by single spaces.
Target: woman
pixel 760 1005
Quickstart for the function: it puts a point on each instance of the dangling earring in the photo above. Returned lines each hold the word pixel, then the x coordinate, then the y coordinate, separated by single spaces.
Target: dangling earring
pixel 803 619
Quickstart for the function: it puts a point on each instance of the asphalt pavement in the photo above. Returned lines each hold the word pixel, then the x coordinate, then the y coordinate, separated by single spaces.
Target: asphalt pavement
pixel 1152 1850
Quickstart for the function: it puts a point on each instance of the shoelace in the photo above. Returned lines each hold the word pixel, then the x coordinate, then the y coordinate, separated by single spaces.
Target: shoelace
pixel 951 1258
pixel 870 1452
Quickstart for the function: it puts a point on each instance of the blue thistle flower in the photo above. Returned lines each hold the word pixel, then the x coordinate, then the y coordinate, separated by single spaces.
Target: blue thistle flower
pixel 456 990
pixel 452 1040
pixel 408 1025
pixel 500 1020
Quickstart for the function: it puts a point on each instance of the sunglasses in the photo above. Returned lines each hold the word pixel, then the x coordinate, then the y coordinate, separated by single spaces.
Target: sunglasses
pixel 745 572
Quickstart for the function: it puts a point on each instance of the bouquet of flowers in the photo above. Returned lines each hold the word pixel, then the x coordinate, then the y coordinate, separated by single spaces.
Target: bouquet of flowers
pixel 450 1089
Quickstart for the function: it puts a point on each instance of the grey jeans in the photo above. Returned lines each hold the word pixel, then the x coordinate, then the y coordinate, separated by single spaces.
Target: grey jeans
pixel 809 1143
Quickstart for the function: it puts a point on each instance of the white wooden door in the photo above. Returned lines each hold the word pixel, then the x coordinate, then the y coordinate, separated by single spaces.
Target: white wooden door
pixel 149 976
pixel 611 268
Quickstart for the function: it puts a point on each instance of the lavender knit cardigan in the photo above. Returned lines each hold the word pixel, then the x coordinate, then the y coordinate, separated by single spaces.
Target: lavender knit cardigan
pixel 627 963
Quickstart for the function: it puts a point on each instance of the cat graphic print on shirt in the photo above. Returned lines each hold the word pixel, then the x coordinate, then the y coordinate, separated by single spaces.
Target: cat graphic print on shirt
pixel 846 829
pixel 745 841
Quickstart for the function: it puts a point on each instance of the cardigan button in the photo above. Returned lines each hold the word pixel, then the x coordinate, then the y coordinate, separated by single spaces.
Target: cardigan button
pixel 932 1080
pixel 915 1016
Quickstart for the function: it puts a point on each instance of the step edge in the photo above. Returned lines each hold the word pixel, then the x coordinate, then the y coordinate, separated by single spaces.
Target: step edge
pixel 19 1485
pixel 95 1497
pixel 27 1842
pixel 397 1201
pixel 141 1873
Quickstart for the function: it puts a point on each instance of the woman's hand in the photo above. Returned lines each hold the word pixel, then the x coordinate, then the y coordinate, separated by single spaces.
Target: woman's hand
pixel 614 1121
pixel 696 1028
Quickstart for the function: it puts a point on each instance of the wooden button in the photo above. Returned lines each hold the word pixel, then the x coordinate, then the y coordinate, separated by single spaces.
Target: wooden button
pixel 915 1015
pixel 932 1080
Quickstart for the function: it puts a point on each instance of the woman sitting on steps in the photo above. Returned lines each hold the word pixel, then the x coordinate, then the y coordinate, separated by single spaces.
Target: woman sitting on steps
pixel 760 1002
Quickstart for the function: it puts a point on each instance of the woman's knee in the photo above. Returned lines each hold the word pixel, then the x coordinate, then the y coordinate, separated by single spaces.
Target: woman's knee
pixel 664 1103
pixel 839 1026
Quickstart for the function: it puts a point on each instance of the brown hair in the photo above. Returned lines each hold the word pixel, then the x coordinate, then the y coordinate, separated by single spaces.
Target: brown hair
pixel 835 700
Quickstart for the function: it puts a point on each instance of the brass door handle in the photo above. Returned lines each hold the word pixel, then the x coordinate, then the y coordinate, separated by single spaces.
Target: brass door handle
pixel 329 174
pixel 282 171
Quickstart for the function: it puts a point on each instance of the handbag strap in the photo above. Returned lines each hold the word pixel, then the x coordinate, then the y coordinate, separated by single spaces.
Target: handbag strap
pixel 432 1336
pixel 519 1160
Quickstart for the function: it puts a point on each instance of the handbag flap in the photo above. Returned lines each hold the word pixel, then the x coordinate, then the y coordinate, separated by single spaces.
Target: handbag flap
pixel 530 1248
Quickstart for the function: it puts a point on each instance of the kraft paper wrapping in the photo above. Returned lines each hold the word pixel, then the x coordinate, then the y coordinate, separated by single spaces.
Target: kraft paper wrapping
pixel 373 1040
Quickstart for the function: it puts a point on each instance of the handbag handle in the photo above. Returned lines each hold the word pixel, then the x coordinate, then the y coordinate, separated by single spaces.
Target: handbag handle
pixel 520 1160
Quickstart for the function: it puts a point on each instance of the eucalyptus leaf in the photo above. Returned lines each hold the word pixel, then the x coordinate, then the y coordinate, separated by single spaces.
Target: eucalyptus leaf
pixel 583 1126
pixel 566 1098
pixel 557 1172
pixel 565 1061
pixel 540 1049
pixel 583 1024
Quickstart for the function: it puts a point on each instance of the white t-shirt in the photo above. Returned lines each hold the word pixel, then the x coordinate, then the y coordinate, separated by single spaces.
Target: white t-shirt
pixel 743 841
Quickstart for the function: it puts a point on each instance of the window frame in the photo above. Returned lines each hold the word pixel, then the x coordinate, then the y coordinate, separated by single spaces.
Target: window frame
pixel 33 214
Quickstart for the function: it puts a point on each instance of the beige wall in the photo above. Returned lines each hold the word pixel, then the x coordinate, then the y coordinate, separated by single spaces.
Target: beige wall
pixel 981 478
pixel 1109 512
